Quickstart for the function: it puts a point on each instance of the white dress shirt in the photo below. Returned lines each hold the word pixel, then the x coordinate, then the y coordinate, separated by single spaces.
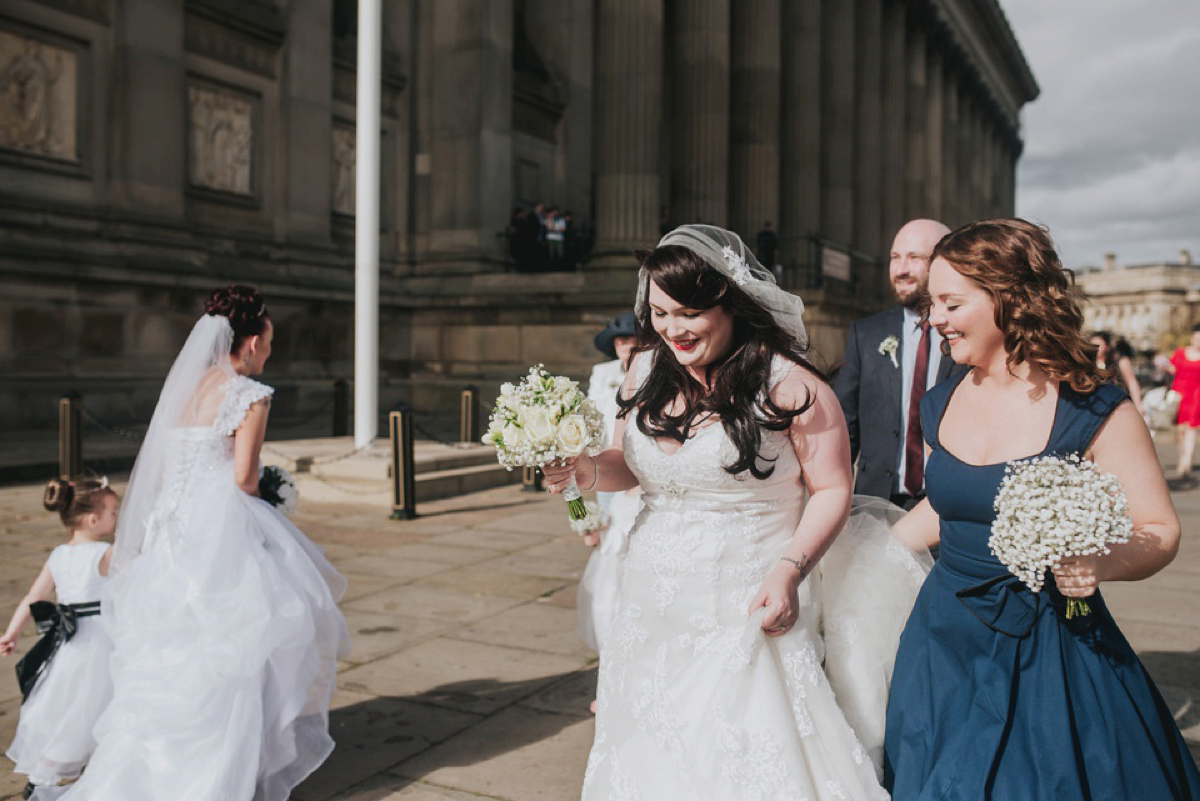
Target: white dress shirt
pixel 909 342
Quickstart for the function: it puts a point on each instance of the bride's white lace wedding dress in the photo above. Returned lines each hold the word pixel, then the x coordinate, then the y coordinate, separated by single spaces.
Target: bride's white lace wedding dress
pixel 694 701
pixel 226 635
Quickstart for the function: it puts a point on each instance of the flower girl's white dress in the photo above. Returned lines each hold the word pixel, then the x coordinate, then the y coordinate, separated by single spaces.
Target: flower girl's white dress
pixel 54 736
pixel 694 701
pixel 226 637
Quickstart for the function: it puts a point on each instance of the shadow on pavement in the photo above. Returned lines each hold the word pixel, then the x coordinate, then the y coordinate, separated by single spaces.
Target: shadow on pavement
pixel 378 734
pixel 1177 673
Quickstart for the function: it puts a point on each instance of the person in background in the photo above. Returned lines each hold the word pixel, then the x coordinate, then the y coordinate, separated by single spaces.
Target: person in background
pixel 1184 365
pixel 1118 357
pixel 891 359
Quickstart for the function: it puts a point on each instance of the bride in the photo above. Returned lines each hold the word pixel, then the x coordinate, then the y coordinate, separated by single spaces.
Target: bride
pixel 223 615
pixel 737 623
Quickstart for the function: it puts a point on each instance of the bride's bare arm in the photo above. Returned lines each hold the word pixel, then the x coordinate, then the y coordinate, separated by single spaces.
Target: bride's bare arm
pixel 823 448
pixel 247 444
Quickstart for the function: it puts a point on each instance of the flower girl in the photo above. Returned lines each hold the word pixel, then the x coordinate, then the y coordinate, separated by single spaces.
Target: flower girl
pixel 64 678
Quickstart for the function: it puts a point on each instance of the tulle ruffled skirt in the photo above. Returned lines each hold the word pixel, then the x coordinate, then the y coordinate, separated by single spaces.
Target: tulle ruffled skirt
pixel 226 636
pixel 54 738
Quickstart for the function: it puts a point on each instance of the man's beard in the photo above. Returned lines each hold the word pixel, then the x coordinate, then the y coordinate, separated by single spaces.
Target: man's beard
pixel 911 298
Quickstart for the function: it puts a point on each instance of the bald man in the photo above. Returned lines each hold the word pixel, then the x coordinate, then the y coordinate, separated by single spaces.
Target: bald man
pixel 890 360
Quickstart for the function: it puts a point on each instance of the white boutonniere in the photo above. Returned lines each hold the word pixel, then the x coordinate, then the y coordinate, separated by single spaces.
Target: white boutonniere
pixel 888 348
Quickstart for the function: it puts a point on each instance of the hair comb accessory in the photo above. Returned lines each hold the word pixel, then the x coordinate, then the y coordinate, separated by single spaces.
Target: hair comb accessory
pixel 103 485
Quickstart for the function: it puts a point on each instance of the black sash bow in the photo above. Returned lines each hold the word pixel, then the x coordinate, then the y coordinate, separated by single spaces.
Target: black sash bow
pixel 57 623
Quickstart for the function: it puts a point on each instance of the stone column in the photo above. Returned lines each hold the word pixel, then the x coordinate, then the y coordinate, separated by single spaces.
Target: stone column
pixel 869 134
pixel 838 70
pixel 801 130
pixel 916 121
pixel 700 112
pixel 951 208
pixel 935 116
pixel 754 113
pixel 629 63
pixel 149 111
pixel 307 89
pixel 472 129
pixel 895 121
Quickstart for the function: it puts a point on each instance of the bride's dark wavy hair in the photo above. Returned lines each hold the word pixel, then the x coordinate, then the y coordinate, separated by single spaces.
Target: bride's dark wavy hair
pixel 739 378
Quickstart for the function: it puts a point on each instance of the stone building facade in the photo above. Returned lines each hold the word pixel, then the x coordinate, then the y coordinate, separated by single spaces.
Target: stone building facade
pixel 151 149
pixel 1153 306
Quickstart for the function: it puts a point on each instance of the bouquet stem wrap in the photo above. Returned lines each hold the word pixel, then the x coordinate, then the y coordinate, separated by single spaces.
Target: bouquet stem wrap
pixel 574 498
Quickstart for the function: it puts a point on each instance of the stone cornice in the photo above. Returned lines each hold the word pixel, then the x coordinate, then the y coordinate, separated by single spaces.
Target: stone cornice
pixel 980 31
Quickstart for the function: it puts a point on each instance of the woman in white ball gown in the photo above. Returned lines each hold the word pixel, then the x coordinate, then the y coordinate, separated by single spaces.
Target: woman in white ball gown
pixel 749 660
pixel 223 615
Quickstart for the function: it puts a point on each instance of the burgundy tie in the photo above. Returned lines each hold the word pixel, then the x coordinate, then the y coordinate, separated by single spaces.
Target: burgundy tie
pixel 914 450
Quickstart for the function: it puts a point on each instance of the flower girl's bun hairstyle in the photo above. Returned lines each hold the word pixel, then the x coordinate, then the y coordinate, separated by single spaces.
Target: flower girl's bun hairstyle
pixel 74 500
pixel 1037 309
pixel 243 307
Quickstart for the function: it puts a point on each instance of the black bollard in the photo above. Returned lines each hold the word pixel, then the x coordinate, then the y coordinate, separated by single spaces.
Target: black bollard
pixel 469 428
pixel 404 502
pixel 341 408
pixel 531 479
pixel 70 436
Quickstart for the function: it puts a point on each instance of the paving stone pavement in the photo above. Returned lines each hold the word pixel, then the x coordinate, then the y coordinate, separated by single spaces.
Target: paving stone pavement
pixel 467 678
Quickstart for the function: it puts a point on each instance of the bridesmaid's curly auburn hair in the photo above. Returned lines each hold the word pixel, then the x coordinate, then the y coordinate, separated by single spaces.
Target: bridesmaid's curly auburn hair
pixel 1036 308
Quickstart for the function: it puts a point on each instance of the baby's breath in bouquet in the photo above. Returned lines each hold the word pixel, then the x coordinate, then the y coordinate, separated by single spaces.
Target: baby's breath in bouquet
pixel 543 419
pixel 1052 507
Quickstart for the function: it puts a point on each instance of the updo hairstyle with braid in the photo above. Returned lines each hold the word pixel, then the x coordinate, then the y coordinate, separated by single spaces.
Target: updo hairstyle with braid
pixel 74 500
pixel 243 307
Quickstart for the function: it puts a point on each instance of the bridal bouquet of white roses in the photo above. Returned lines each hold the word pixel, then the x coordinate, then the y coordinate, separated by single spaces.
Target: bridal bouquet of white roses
pixel 543 419
pixel 1053 507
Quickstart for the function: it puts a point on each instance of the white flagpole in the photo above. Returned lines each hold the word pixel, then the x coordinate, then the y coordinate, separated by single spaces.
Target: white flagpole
pixel 366 225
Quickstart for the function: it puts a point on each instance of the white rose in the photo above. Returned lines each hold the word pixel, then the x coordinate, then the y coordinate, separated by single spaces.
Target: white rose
pixel 572 436
pixel 538 424
pixel 513 436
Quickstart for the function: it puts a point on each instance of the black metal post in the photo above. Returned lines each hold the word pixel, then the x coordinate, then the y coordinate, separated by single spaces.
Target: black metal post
pixel 469 428
pixel 341 408
pixel 531 479
pixel 404 502
pixel 70 436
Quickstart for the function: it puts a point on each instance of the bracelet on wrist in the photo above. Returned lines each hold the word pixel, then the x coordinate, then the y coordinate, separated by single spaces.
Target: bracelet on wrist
pixel 595 474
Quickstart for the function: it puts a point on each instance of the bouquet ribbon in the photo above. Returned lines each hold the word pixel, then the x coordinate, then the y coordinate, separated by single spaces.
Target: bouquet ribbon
pixel 57 623
pixel 1004 604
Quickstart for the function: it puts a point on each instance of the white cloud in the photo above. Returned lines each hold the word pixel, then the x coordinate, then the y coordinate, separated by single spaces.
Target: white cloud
pixel 1112 146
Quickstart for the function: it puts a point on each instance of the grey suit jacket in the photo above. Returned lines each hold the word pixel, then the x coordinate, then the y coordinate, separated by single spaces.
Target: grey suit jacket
pixel 868 387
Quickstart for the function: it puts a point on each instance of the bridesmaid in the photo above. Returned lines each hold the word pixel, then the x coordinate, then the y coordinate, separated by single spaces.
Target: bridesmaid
pixel 995 695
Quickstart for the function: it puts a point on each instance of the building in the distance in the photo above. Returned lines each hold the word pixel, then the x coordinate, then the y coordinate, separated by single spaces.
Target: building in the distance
pixel 1153 306
pixel 152 149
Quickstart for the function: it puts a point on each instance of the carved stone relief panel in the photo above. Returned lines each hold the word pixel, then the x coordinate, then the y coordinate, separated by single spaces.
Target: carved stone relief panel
pixel 344 145
pixel 221 139
pixel 38 87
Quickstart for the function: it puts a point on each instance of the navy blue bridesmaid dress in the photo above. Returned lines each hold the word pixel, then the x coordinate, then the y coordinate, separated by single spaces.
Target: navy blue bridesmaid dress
pixel 995 695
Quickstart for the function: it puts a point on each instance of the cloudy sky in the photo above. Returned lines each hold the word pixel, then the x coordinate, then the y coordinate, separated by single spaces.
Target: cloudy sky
pixel 1112 145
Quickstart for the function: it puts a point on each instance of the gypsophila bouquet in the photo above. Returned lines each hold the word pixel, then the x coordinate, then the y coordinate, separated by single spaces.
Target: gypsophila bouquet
pixel 277 487
pixel 596 520
pixel 543 419
pixel 1052 507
